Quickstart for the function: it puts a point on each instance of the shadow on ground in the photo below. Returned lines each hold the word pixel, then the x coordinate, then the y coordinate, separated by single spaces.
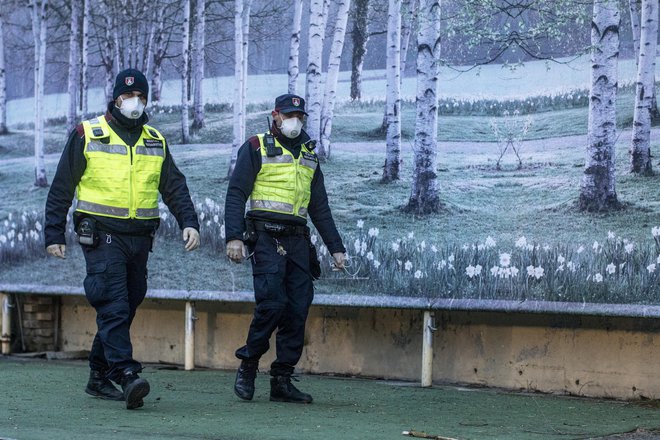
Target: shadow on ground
pixel 44 399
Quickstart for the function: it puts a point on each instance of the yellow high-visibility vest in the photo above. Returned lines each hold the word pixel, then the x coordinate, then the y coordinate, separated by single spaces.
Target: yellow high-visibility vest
pixel 284 183
pixel 120 181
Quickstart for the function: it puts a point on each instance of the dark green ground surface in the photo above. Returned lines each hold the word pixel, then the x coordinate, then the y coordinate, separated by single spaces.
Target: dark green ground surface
pixel 44 400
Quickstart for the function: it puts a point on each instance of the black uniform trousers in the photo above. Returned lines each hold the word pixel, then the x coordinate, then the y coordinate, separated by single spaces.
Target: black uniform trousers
pixel 115 285
pixel 283 291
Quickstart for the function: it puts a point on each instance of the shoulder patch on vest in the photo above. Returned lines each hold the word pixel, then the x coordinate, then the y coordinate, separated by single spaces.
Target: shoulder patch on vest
pixel 153 143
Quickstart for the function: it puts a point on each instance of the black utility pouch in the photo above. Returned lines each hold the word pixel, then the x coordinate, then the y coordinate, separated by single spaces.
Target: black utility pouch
pixel 87 233
pixel 314 263
pixel 250 234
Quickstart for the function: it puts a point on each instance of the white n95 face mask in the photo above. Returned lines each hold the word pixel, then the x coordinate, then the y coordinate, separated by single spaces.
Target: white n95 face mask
pixel 291 127
pixel 132 108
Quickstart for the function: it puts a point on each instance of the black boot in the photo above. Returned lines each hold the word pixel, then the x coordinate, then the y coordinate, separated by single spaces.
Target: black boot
pixel 135 389
pixel 99 386
pixel 282 390
pixel 245 375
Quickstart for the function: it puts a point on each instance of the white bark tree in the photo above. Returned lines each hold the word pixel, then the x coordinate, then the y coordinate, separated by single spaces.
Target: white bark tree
pixel 640 152
pixel 84 57
pixel 241 41
pixel 332 76
pixel 294 48
pixel 314 68
pixel 635 23
pixel 598 190
pixel 410 9
pixel 74 67
pixel 198 65
pixel 3 83
pixel 158 56
pixel 424 195
pixel 185 55
pixel 39 25
pixel 393 99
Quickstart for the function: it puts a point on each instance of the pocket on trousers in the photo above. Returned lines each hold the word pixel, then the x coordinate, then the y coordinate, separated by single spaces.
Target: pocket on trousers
pixel 267 283
pixel 95 282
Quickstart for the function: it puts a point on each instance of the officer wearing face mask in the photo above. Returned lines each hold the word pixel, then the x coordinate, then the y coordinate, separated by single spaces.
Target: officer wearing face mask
pixel 279 172
pixel 117 166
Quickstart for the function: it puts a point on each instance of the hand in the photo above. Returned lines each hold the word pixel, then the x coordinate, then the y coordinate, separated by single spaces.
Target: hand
pixel 191 237
pixel 236 251
pixel 340 259
pixel 57 250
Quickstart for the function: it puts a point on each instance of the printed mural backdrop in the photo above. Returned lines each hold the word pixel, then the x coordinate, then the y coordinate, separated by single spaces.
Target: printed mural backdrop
pixel 472 149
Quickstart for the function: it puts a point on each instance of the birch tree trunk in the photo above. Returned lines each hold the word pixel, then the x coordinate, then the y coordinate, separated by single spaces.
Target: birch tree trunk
pixel 198 65
pixel 598 190
pixel 424 195
pixel 84 69
pixel 74 67
pixel 158 57
pixel 294 48
pixel 185 55
pixel 640 152
pixel 635 17
pixel 393 138
pixel 39 9
pixel 314 68
pixel 360 37
pixel 330 95
pixel 240 78
pixel 408 21
pixel 3 80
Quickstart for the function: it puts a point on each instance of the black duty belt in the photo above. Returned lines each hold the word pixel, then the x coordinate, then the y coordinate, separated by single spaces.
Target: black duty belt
pixel 279 228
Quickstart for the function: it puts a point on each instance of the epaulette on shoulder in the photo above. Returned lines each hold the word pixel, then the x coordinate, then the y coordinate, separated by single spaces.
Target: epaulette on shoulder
pixel 80 130
pixel 254 141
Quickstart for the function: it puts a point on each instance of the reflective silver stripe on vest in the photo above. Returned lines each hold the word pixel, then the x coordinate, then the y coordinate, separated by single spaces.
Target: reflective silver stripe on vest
pixel 149 151
pixel 283 158
pixel 308 163
pixel 101 209
pixel 94 121
pixel 271 205
pixel 107 148
pixel 302 212
pixel 147 212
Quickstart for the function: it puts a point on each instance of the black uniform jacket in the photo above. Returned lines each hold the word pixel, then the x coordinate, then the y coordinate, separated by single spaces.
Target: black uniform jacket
pixel 71 167
pixel 248 165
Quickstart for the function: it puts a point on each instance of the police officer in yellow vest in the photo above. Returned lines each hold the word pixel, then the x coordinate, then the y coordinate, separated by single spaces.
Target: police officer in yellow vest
pixel 279 172
pixel 117 165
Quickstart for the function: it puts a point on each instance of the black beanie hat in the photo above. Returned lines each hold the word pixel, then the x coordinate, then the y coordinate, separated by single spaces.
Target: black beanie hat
pixel 130 80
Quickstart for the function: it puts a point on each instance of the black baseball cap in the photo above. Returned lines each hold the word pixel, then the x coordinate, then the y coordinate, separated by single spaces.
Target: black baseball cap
pixel 130 80
pixel 289 103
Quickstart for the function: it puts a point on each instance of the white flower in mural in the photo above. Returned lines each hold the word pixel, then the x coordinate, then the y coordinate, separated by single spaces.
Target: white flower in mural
pixel 580 249
pixel 571 266
pixel 494 271
pixel 395 246
pixel 360 223
pixel 561 259
pixel 470 271
pixel 201 216
pixel 655 231
pixel 408 265
pixel 530 271
pixel 442 264
pixel 222 231
pixel 598 278
pixel 651 268
pixel 418 274
pixel 376 264
pixel 216 218
pixel 423 244
pixel 477 269
pixel 450 258
pixel 629 248
pixel 538 272
pixel 37 226
pixel 610 235
pixel 434 249
pixel 370 256
pixel 521 242
pixel 314 238
pixel 514 271
pixel 595 246
pixel 363 248
pixel 3 239
pixel 373 232
pixel 357 244
pixel 490 242
pixel 505 259
pixel 611 269
pixel 411 235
